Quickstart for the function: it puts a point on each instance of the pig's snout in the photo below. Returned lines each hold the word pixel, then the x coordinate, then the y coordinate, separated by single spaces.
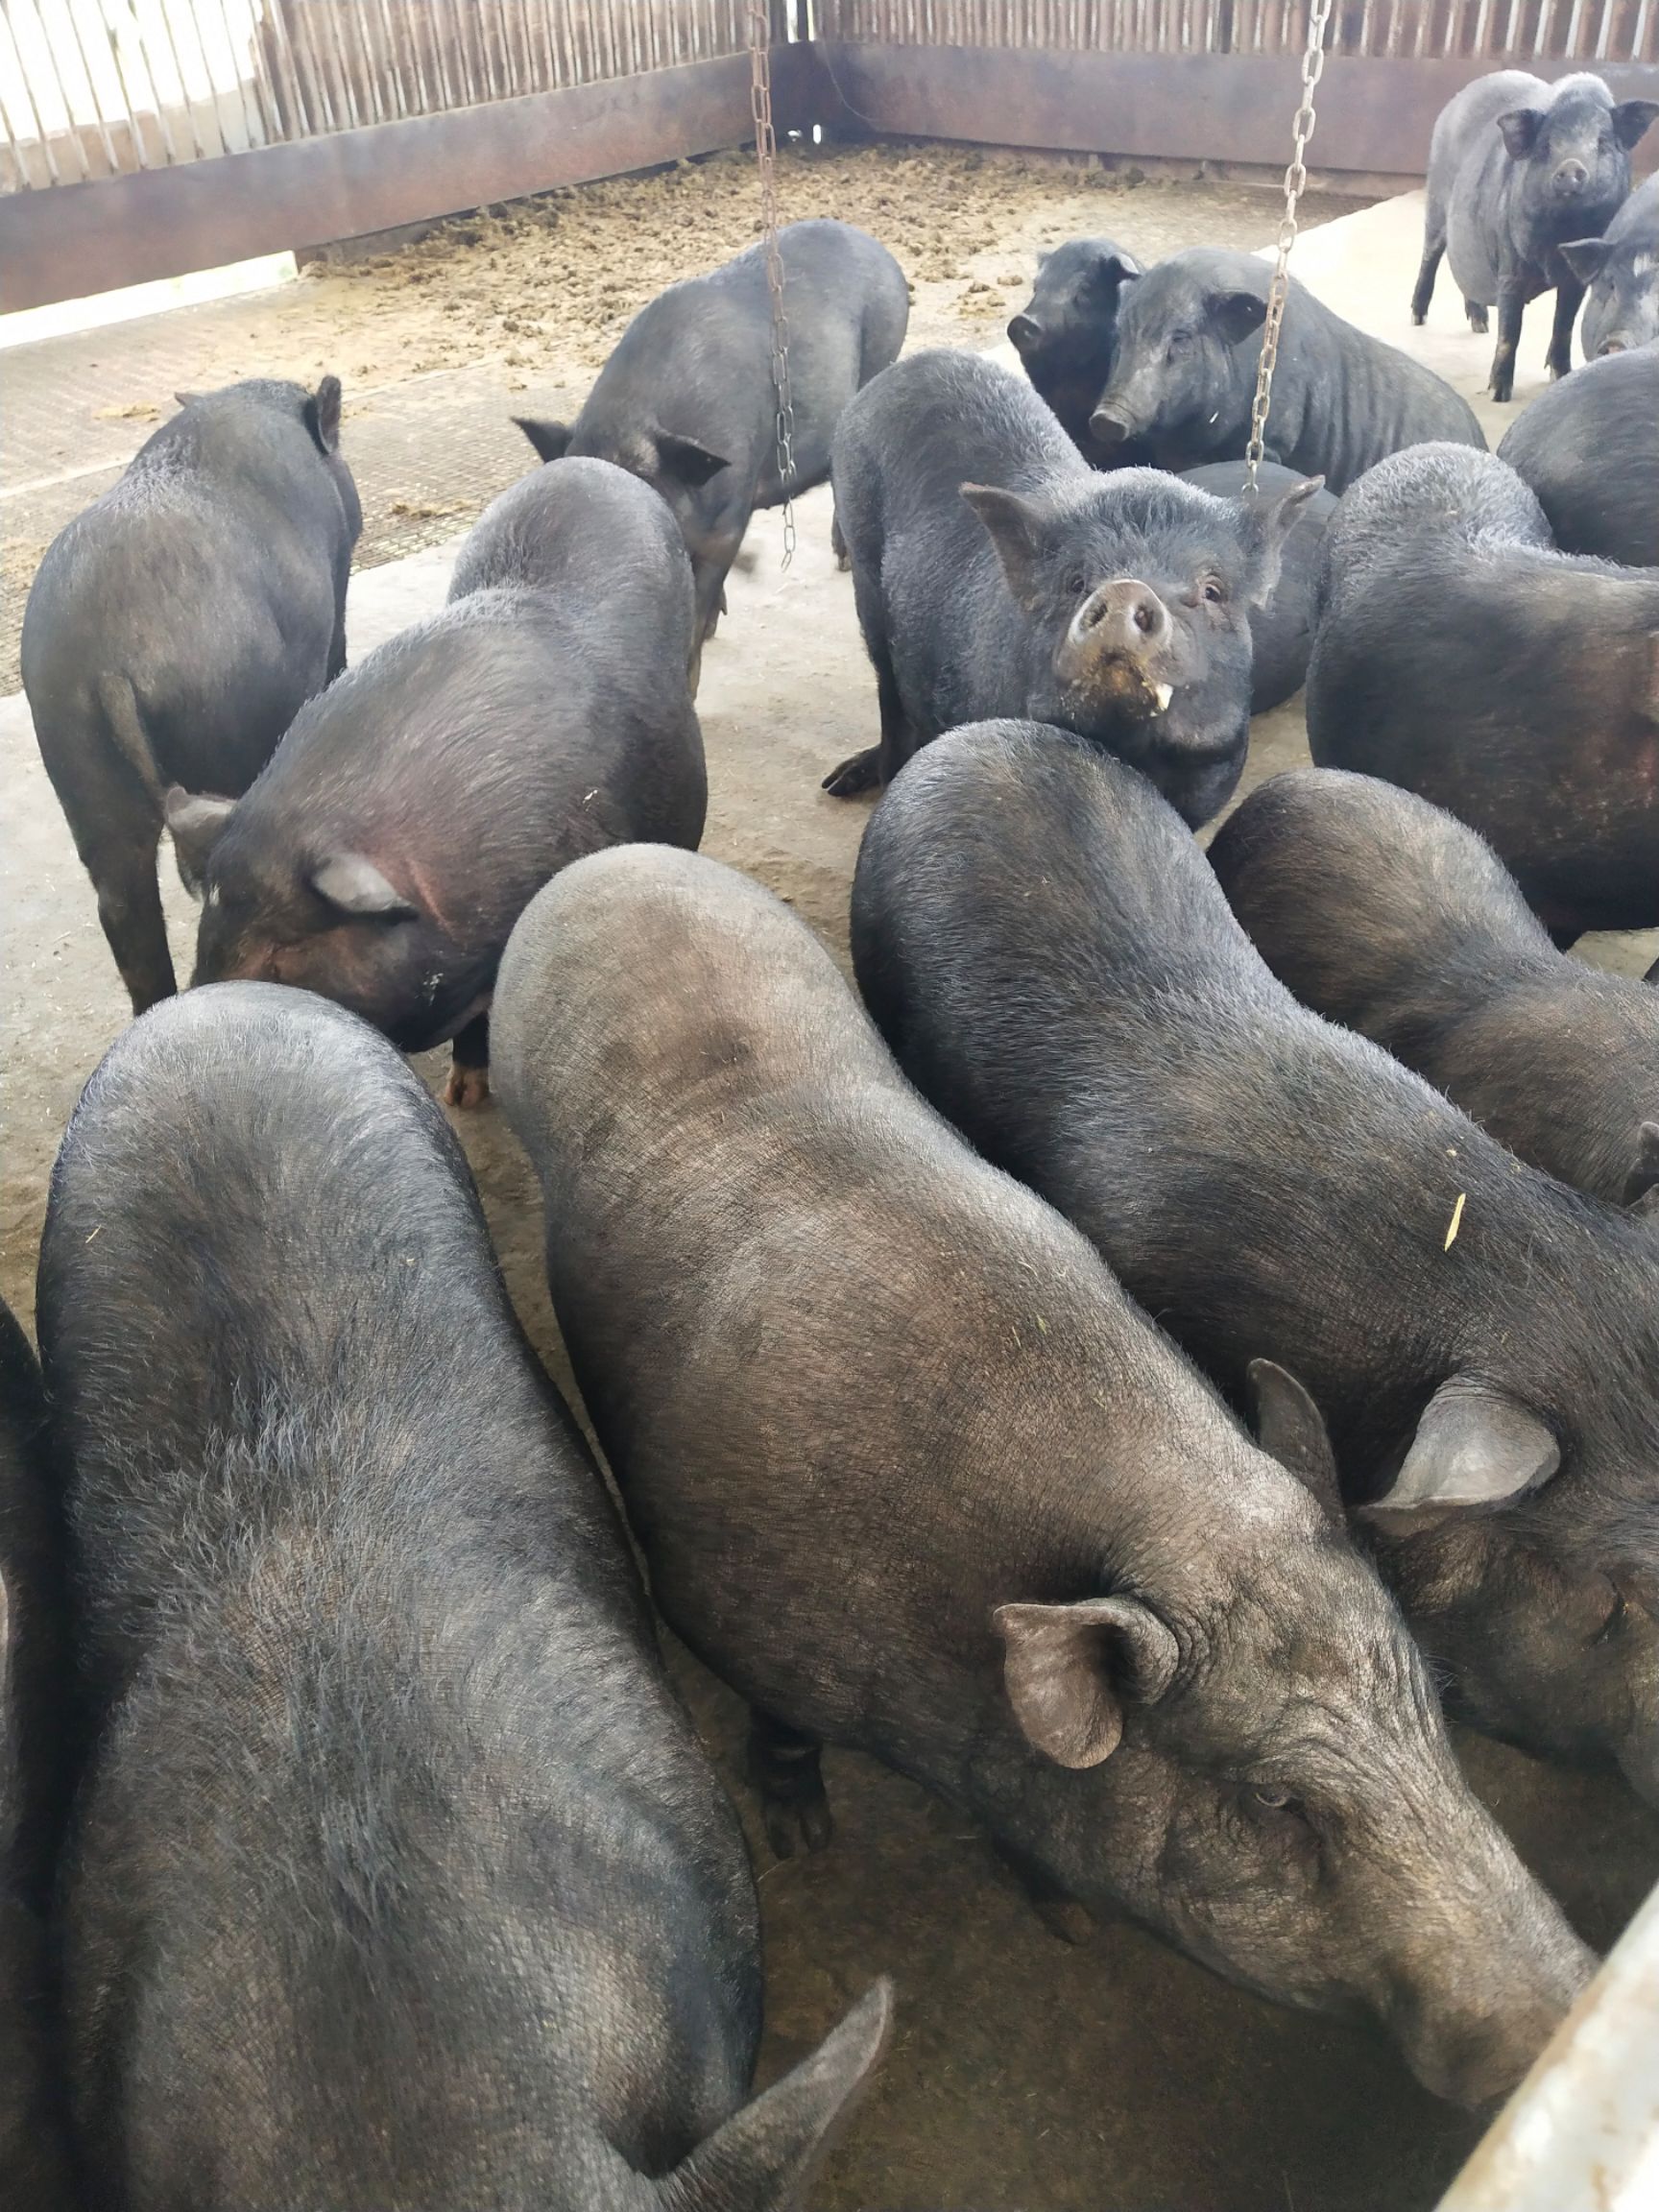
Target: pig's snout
pixel 1570 179
pixel 1124 618
pixel 1473 2045
pixel 1109 424
pixel 1612 345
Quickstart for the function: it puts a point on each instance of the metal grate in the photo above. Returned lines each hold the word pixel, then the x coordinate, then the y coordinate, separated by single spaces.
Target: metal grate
pixel 92 89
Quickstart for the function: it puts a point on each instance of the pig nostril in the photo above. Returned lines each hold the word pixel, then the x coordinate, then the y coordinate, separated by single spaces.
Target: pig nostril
pixel 1093 614
pixel 1611 346
pixel 1145 618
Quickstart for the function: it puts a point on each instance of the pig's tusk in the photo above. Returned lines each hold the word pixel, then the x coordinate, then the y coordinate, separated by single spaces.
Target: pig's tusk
pixel 1163 694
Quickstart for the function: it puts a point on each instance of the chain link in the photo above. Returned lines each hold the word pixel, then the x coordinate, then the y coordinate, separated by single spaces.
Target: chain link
pixel 766 156
pixel 1295 185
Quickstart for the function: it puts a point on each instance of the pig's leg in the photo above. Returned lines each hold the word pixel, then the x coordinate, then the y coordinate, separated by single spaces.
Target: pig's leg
pixel 1433 246
pixel 1511 306
pixel 129 909
pixel 1479 322
pixel 468 1083
pixel 337 651
pixel 879 763
pixel 1569 298
pixel 783 1767
pixel 838 543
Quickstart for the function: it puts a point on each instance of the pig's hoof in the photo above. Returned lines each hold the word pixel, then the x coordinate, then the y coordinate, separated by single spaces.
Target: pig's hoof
pixel 1417 319
pixel 468 1088
pixel 861 773
pixel 1479 322
pixel 783 1767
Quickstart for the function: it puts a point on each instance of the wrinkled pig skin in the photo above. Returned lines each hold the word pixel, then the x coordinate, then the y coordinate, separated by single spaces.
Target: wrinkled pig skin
pixel 1188 348
pixel 687 402
pixel 996 572
pixel 37 1743
pixel 1228 1736
pixel 1066 336
pixel 1518 169
pixel 176 627
pixel 1590 450
pixel 415 808
pixel 1460 655
pixel 1055 964
pixel 1389 915
pixel 401 1877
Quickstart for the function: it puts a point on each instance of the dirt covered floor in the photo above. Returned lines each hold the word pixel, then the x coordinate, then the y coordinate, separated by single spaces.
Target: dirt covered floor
pixel 1026 2074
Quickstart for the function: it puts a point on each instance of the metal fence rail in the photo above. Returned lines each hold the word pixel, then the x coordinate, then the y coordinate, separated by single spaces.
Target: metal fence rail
pixel 1588 31
pixel 95 88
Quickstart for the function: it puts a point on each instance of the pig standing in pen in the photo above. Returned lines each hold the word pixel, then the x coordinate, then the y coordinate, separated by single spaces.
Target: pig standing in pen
pixel 1621 273
pixel 1389 915
pixel 1053 962
pixel 413 810
pixel 176 627
pixel 687 400
pixel 996 572
pixel 1066 336
pixel 399 1877
pixel 912 1474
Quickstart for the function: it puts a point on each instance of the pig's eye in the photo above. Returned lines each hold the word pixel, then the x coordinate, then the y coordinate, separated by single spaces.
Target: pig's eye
pixel 1076 583
pixel 1265 1799
pixel 1616 1612
pixel 1213 591
pixel 1179 342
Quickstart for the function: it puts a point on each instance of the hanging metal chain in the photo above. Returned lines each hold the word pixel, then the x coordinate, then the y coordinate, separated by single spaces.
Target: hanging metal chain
pixel 1295 185
pixel 767 155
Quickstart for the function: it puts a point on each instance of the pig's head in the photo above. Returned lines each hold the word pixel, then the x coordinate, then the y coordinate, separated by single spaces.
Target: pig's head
pixel 1569 165
pixel 1522 1533
pixel 330 920
pixel 1258 1768
pixel 1186 370
pixel 1138 592
pixel 677 468
pixel 1621 309
pixel 1072 312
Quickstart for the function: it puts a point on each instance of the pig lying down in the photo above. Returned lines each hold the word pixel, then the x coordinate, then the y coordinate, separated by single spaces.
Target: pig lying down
pixel 411 812
pixel 400 1878
pixel 1054 963
pixel 995 572
pixel 912 1474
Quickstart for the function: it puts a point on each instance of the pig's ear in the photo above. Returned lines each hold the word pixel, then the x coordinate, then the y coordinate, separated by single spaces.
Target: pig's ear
pixel 323 415
pixel 687 462
pixel 1235 314
pixel 352 882
pixel 1291 1430
pixel 1520 129
pixel 1017 530
pixel 1108 273
pixel 1266 523
pixel 194 821
pixel 764 2155
pixel 551 440
pixel 1023 333
pixel 1586 258
pixel 1475 1445
pixel 1642 1186
pixel 1069 1668
pixel 186 398
pixel 1631 119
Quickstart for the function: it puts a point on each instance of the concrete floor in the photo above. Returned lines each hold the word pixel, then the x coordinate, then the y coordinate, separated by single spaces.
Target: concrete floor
pixel 1024 2073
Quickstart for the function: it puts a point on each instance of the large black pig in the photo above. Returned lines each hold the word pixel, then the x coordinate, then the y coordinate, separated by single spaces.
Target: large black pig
pixel 409 814
pixel 1460 655
pixel 1066 336
pixel 996 572
pixel 1621 271
pixel 1054 963
pixel 37 1732
pixel 1588 447
pixel 1281 630
pixel 178 626
pixel 399 1877
pixel 914 1475
pixel 687 400
pixel 1386 914
pixel 1189 347
pixel 1517 169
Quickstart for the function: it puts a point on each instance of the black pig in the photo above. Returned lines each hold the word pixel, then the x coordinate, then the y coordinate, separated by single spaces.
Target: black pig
pixel 1620 271
pixel 178 626
pixel 400 1878
pixel 1281 632
pixel 1518 169
pixel 1055 964
pixel 1066 336
pixel 1590 449
pixel 686 401
pixel 36 1739
pixel 996 572
pixel 1460 655
pixel 1189 346
pixel 914 1475
pixel 1386 914
pixel 411 812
